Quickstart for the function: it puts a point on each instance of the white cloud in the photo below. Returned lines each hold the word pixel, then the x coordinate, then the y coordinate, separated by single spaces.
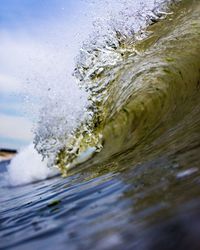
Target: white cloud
pixel 14 127
pixel 10 84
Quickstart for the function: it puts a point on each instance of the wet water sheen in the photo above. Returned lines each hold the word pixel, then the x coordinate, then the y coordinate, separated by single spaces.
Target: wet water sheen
pixel 142 191
pixel 123 205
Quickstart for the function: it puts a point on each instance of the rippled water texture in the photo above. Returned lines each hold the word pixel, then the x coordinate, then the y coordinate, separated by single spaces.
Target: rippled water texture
pixel 142 190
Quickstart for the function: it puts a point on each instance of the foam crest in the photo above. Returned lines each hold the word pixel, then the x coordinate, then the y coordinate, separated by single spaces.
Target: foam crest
pixel 27 167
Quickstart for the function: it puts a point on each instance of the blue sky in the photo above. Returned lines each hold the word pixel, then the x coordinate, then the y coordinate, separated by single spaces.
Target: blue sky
pixel 16 13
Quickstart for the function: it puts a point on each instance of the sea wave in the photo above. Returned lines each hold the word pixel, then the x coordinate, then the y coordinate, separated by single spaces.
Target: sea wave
pixel 138 82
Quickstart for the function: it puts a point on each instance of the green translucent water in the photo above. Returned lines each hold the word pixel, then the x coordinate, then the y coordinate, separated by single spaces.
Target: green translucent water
pixel 150 90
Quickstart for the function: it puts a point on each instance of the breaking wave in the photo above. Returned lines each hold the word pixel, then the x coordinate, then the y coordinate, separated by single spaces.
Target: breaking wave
pixel 138 82
pixel 138 73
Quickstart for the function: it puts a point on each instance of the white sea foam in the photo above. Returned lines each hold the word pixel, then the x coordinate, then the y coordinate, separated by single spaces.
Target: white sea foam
pixel 27 166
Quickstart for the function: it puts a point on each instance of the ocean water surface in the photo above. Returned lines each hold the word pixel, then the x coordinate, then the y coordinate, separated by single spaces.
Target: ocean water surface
pixel 114 163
